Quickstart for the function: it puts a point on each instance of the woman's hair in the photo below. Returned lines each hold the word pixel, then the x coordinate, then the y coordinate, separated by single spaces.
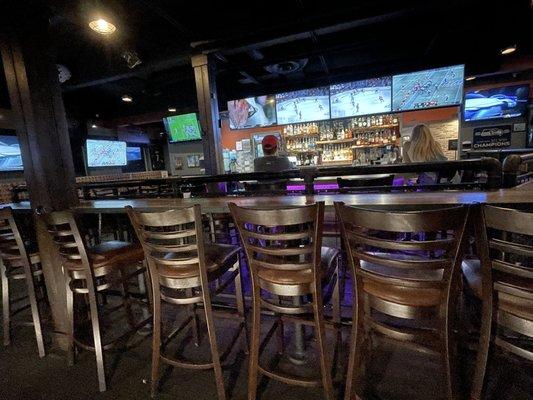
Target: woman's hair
pixel 423 147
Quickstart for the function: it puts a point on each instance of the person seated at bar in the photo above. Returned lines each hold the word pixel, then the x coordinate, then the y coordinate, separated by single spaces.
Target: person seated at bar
pixel 271 161
pixel 423 148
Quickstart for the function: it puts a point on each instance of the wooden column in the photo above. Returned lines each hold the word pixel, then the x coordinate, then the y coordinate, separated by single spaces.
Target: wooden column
pixel 206 92
pixel 41 127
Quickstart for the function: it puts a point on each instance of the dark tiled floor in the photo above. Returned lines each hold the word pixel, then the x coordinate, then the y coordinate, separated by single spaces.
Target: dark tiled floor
pixel 395 373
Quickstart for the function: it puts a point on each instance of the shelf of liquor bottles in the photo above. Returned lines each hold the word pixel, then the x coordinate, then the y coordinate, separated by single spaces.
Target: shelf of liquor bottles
pixel 343 140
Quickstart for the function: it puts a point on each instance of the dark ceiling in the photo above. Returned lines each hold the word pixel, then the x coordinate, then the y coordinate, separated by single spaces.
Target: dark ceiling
pixel 254 42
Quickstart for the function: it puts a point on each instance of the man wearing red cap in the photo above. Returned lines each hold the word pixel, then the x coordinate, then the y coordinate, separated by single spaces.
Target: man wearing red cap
pixel 271 162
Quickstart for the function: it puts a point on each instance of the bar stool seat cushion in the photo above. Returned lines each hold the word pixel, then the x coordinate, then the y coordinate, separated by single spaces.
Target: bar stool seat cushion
pixel 305 276
pixel 218 259
pixel 406 295
pixel 472 273
pixel 109 254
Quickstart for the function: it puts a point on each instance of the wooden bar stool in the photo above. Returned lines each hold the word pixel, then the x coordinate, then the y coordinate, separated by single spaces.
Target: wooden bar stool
pixel 506 255
pixel 90 272
pixel 405 286
pixel 182 266
pixel 19 261
pixel 286 260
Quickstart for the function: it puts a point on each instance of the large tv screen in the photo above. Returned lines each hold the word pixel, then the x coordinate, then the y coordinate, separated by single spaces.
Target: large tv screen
pixel 10 156
pixel 494 103
pixel 133 154
pixel 371 96
pixel 106 153
pixel 183 128
pixel 303 106
pixel 252 112
pixel 438 87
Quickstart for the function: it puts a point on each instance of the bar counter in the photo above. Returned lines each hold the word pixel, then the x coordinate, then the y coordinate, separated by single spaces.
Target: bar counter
pixel 220 204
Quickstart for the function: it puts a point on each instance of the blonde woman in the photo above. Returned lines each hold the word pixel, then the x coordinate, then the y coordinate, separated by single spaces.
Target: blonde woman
pixel 423 148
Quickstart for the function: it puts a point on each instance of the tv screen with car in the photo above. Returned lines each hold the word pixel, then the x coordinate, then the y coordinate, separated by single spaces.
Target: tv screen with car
pixel 496 103
pixel 439 87
pixel 10 156
pixel 371 96
pixel 182 128
pixel 106 153
pixel 303 106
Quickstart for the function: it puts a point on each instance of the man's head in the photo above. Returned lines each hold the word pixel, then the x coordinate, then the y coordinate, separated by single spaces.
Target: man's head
pixel 270 145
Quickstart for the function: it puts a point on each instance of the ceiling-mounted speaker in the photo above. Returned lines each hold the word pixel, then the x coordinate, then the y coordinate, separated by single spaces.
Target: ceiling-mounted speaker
pixel 63 73
pixel 287 67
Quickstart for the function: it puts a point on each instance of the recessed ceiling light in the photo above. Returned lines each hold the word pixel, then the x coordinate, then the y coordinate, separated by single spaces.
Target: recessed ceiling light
pixel 127 98
pixel 172 109
pixel 508 50
pixel 102 26
pixel 94 126
pixel 470 78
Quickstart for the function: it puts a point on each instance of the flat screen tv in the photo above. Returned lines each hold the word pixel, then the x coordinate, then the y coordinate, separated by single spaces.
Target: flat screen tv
pixel 106 153
pixel 495 103
pixel 182 128
pixel 252 112
pixel 303 106
pixel 439 87
pixel 134 154
pixel 371 96
pixel 10 156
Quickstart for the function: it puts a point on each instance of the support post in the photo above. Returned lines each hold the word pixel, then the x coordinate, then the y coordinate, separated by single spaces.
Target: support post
pixel 41 127
pixel 206 92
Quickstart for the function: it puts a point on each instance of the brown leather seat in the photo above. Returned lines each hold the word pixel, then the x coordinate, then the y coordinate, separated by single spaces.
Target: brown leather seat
pixel 472 273
pixel 217 260
pixel 411 296
pixel 327 267
pixel 109 254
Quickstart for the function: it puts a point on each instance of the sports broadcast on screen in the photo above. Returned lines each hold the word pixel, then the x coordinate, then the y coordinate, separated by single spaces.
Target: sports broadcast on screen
pixel 303 106
pixel 370 96
pixel 431 88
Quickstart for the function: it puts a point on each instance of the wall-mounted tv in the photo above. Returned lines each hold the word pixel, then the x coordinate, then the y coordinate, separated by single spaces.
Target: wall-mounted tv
pixel 106 153
pixel 252 112
pixel 182 128
pixel 303 106
pixel 431 88
pixel 133 154
pixel 371 96
pixel 499 102
pixel 10 156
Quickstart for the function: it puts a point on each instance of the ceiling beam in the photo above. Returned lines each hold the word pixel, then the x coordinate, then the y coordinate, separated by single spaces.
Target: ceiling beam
pixel 142 71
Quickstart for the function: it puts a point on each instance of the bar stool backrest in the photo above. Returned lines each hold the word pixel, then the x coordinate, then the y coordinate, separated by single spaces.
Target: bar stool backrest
pixel 171 239
pixel 11 241
pixel 63 228
pixel 509 234
pixel 277 238
pixel 405 248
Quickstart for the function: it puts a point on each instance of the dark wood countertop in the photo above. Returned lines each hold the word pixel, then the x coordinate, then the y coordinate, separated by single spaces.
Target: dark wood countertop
pixel 389 200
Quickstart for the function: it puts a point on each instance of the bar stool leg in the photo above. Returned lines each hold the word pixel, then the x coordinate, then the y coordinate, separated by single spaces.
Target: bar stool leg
pixel 191 310
pixel 449 358
pixel 156 338
pixel 321 342
pixel 6 312
pixel 71 351
pixel 34 309
pixel 356 345
pixel 254 348
pixel 241 305
pixel 100 364
pixel 219 378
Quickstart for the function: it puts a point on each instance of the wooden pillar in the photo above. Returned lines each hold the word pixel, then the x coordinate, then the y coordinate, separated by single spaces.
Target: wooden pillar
pixel 41 127
pixel 206 92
